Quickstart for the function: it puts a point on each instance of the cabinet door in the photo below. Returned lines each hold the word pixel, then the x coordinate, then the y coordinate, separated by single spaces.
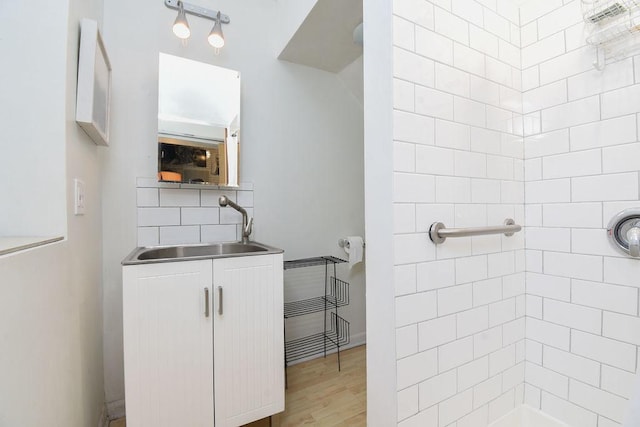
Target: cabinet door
pixel 168 345
pixel 248 339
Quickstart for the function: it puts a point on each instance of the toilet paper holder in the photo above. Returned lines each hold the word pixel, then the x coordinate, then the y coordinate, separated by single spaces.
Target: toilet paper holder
pixel 344 243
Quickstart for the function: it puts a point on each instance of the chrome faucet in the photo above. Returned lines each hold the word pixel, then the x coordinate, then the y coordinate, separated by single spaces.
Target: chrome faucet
pixel 247 223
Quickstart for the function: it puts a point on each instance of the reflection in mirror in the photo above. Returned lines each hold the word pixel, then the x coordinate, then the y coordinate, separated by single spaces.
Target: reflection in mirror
pixel 198 122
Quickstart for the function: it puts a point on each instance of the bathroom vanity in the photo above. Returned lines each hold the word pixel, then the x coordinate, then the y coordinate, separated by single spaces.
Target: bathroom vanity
pixel 203 335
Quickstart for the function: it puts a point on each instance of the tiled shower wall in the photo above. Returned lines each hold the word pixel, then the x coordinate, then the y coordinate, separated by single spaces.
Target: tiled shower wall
pixel 181 213
pixel 458 159
pixel 582 160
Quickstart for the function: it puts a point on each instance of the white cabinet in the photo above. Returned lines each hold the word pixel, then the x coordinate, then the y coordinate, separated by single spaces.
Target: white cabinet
pixel 188 323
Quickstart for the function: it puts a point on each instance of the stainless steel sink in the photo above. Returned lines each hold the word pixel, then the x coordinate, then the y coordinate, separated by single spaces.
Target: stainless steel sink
pixel 144 255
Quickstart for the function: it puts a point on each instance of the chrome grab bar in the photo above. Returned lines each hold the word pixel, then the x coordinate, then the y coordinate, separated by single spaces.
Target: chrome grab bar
pixel 438 233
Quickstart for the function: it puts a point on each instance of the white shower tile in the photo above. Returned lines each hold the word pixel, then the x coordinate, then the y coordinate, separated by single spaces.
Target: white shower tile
pixel 416 11
pixel 415 308
pixel 568 412
pixel 547 379
pixel 434 103
pixel 416 368
pixel 572 315
pixel 604 403
pixel 432 45
pixel 436 332
pixel 605 350
pixel 483 41
pixel 455 354
pixel 469 60
pixel 413 128
pixel 621 299
pixel 454 299
pixel 436 389
pixel 403 33
pixel 413 67
pixel 451 26
pixel 472 321
pixel 179 235
pixel 605 187
pixel 406 341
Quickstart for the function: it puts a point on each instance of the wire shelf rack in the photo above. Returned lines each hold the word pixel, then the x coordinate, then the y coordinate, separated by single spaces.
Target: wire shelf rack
pixel 335 337
pixel 311 262
pixel 615 28
pixel 338 297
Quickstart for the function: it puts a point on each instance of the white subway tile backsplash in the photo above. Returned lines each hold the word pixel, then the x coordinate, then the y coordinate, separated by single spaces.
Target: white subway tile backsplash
pixel 436 389
pixel 584 215
pixel 605 187
pixel 591 241
pixel 547 379
pixel 483 41
pixel 479 417
pixel 414 188
pixel 546 144
pixel 416 368
pixel 622 271
pixel 597 400
pixel 618 382
pixel 621 158
pixel 559 19
pixel 416 11
pixel 406 341
pixel 487 341
pixel 426 418
pixel 568 412
pixel 436 332
pixel 572 164
pixel 469 112
pixel 605 350
pixel 543 50
pixel 403 95
pixel 158 216
pixel 571 114
pixel 573 265
pixel 549 239
pixel 486 391
pixel 619 299
pixel 532 10
pixel 548 333
pixel 404 278
pixel 544 96
pixel 454 299
pixel 407 402
pixel 451 26
pixel 454 408
pixel 432 45
pixel 403 33
pixel 179 197
pixel 502 360
pixel 621 102
pixel 469 10
pixel 621 327
pixel 499 26
pixel 563 66
pixel 572 315
pixel 413 67
pixel 604 133
pixel 468 59
pixel 195 216
pixel 548 286
pixel 614 76
pixel 414 128
pixel 455 354
pixel 148 236
pixel 453 189
pixel 498 71
pixel 218 233
pixel 415 308
pixel 551 191
pixel 434 103
pixel 179 235
pixel 472 321
pixel 412 248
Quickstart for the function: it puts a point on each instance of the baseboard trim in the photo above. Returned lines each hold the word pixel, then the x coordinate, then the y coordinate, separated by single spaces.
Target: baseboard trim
pixel 116 409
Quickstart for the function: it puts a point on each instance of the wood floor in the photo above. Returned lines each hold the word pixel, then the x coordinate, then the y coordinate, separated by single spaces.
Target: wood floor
pixel 319 395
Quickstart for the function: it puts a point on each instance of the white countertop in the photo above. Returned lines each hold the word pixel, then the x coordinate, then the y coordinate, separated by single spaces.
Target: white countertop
pixel 15 244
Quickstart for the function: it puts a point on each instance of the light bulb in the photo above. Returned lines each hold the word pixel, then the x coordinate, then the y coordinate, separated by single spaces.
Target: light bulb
pixel 216 38
pixel 181 26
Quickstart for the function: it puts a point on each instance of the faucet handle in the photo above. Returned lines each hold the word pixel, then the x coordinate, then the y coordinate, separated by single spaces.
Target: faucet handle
pixel 633 235
pixel 249 227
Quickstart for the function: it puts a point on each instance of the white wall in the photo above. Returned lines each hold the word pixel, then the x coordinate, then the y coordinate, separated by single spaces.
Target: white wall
pixel 458 152
pixel 581 166
pixel 302 143
pixel 50 297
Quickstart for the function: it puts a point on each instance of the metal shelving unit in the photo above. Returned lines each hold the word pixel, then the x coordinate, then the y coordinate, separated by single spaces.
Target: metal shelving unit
pixel 336 329
pixel 614 28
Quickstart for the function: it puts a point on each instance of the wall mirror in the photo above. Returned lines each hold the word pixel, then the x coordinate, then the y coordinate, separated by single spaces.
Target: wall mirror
pixel 198 122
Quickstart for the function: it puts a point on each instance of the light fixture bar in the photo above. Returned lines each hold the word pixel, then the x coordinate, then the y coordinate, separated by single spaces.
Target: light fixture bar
pixel 202 12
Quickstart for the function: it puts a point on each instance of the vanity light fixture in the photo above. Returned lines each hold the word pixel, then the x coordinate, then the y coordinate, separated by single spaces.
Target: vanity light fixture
pixel 216 38
pixel 181 26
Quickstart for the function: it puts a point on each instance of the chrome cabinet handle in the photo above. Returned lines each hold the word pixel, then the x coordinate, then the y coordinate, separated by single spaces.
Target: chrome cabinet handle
pixel 206 302
pixel 220 300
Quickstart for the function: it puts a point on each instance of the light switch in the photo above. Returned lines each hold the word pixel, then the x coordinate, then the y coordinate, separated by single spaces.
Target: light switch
pixel 79 197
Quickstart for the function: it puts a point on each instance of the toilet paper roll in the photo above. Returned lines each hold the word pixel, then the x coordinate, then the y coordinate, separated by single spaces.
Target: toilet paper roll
pixel 354 247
